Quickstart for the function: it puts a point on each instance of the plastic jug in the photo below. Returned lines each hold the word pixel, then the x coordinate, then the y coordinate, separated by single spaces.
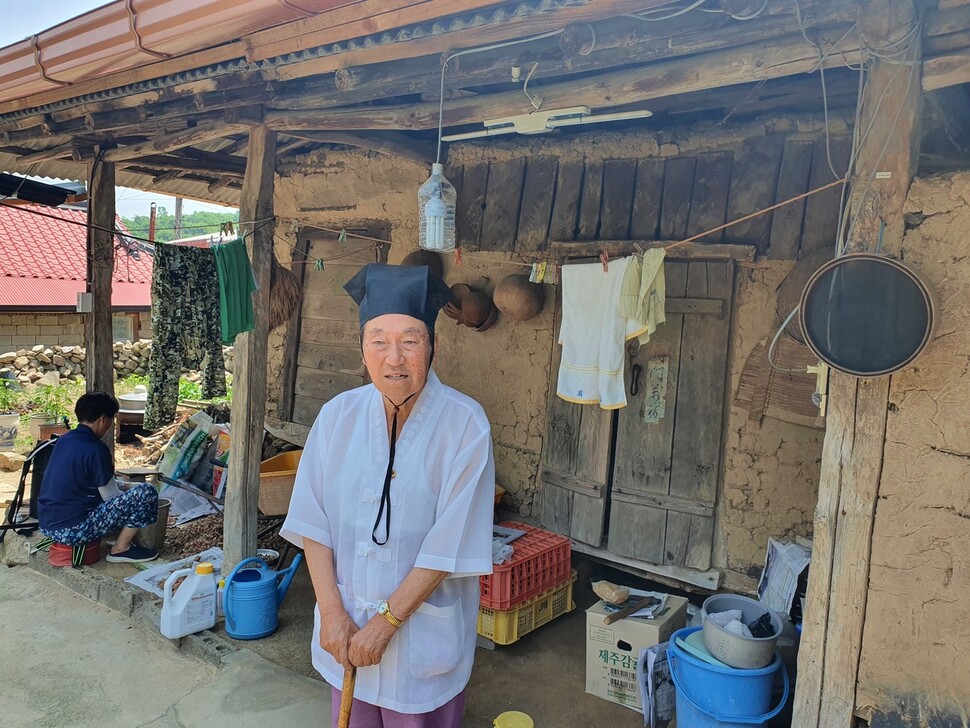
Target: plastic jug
pixel 193 607
pixel 251 599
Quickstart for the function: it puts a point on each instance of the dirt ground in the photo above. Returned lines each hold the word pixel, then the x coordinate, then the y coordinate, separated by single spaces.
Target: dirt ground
pixel 543 674
pixel 552 657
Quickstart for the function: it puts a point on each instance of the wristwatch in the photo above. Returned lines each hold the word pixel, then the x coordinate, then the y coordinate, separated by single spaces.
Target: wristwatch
pixel 384 610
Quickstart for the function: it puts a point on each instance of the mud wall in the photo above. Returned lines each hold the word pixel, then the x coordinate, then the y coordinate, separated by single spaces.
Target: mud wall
pixel 915 663
pixel 772 472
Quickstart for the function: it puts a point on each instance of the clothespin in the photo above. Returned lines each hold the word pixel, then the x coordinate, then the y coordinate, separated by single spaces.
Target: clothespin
pixel 605 260
pixel 552 277
pixel 458 261
pixel 342 237
pixel 639 251
pixel 228 229
pixel 534 273
pixel 542 272
pixel 318 264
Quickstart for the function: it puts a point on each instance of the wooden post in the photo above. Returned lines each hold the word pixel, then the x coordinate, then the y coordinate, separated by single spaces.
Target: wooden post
pixel 99 357
pixel 249 384
pixel 852 454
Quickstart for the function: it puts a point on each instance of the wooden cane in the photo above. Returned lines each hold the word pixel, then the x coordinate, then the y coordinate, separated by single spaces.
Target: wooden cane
pixel 347 697
pixel 627 611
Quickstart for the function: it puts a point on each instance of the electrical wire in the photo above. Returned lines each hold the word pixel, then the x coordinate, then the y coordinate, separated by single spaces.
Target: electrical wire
pixel 774 343
pixel 468 51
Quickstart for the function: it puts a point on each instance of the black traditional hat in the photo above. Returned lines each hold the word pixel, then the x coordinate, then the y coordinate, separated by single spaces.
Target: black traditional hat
pixel 410 290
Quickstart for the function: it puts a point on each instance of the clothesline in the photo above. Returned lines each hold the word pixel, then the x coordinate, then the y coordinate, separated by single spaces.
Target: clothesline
pixel 122 233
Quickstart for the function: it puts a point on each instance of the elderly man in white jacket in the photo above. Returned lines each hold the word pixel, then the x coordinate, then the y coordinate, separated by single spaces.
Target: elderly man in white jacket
pixel 393 507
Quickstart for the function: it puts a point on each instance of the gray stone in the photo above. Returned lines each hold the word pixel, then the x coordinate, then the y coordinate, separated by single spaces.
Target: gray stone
pixel 43 358
pixel 8 358
pixel 58 360
pixel 38 348
pixel 22 352
pixel 68 350
pixel 48 352
pixel 13 550
pixel 11 462
pixel 52 379
pixel 21 362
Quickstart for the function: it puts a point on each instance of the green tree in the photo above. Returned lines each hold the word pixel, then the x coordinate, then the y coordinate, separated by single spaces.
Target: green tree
pixel 201 222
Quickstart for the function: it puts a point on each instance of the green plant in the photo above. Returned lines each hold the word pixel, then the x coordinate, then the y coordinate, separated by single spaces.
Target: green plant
pixel 54 401
pixel 189 390
pixel 9 397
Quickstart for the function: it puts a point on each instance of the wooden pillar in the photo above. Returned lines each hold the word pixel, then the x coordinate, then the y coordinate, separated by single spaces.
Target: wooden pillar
pixel 99 358
pixel 855 431
pixel 249 383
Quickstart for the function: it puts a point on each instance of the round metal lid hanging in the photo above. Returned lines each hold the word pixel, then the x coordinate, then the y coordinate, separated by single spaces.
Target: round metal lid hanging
pixel 867 315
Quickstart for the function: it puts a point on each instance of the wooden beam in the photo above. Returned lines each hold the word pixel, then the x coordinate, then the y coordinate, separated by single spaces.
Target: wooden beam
pixel 209 56
pixel 216 165
pixel 951 69
pixel 755 62
pixel 249 399
pixel 177 140
pixel 99 373
pixel 220 183
pixel 852 453
pixel 621 248
pixel 389 143
pixel 512 27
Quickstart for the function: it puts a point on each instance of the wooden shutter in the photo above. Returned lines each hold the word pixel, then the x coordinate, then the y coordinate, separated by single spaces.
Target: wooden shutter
pixel 575 470
pixel 323 343
pixel 666 470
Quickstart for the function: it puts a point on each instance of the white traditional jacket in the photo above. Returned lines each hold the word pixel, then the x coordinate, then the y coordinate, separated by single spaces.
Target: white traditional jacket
pixel 441 518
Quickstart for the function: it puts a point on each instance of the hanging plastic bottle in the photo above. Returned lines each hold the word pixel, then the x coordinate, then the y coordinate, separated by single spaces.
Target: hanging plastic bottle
pixel 193 607
pixel 437 200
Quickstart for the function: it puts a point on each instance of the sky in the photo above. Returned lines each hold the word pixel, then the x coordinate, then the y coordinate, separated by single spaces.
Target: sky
pixel 37 15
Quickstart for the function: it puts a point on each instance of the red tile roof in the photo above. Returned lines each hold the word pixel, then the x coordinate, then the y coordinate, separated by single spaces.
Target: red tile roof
pixel 43 261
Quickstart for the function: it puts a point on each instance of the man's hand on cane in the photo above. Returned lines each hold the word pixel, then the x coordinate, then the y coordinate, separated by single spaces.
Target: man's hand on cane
pixel 337 630
pixel 367 645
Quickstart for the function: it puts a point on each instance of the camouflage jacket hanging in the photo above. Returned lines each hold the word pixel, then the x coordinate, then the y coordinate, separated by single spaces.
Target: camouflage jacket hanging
pixel 185 329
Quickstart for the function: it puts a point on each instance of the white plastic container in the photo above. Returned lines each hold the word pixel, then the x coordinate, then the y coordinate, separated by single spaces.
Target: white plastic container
pixel 193 607
pixel 436 212
pixel 220 596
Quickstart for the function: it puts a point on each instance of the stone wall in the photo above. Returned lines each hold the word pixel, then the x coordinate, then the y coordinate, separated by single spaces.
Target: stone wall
pixel 26 329
pixel 29 365
pixel 915 663
pixel 772 473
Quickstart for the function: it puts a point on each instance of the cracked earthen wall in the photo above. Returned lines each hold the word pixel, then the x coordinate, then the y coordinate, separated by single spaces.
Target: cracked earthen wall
pixel 915 661
pixel 772 472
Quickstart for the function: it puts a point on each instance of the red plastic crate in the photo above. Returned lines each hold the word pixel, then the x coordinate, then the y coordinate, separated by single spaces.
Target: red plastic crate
pixel 540 562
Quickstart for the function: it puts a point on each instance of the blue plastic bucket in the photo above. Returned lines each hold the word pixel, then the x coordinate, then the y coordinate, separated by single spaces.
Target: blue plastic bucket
pixel 709 696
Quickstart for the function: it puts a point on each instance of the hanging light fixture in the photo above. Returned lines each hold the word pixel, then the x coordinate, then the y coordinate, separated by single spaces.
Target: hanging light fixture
pixel 437 198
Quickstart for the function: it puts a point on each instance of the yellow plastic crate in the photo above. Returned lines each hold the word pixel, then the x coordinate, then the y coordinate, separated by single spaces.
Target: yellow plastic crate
pixel 503 627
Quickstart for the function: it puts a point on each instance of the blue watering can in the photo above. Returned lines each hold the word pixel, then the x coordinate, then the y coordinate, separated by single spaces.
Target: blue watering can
pixel 252 598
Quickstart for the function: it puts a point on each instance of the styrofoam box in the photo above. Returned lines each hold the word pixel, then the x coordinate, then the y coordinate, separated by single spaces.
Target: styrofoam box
pixel 612 650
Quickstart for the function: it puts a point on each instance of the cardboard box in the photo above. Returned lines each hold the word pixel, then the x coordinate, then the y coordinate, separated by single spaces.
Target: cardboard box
pixel 612 651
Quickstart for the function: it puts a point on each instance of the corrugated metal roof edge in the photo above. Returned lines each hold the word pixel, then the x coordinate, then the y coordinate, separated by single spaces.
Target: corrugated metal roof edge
pixel 410 32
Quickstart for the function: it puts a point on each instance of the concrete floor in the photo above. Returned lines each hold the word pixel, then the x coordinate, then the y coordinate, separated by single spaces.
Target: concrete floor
pixel 543 674
pixel 68 662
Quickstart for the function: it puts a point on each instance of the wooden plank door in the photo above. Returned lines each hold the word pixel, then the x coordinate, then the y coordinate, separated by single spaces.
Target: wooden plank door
pixel 668 445
pixel 576 464
pixel 323 348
